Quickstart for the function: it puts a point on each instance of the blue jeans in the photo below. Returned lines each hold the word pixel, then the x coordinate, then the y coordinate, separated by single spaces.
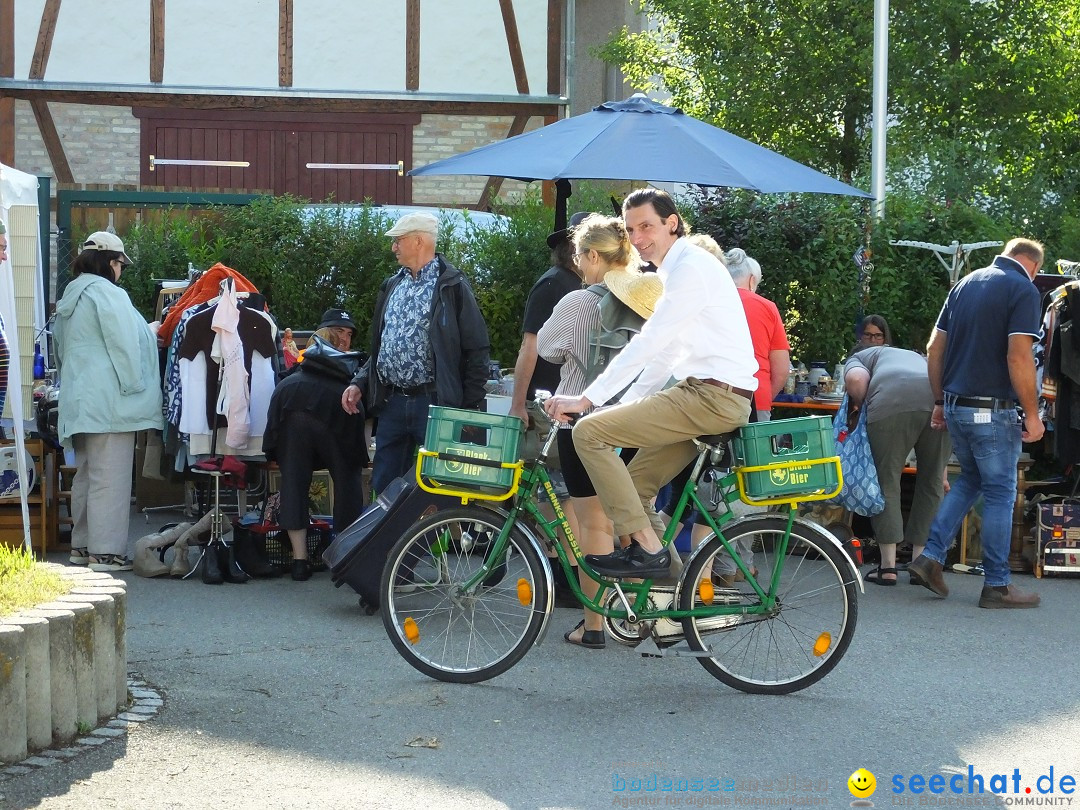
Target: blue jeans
pixel 401 429
pixel 987 452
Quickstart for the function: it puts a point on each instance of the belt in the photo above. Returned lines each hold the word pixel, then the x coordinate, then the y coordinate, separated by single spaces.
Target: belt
pixel 425 390
pixel 990 403
pixel 742 392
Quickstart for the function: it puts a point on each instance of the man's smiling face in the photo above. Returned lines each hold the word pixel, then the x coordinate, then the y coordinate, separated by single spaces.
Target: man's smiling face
pixel 651 235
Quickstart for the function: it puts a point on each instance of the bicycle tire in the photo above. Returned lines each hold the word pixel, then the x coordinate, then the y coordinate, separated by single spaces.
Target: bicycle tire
pixel 459 637
pixel 808 632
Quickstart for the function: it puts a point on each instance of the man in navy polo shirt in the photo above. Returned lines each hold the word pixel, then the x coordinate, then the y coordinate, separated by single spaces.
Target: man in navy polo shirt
pixel 981 363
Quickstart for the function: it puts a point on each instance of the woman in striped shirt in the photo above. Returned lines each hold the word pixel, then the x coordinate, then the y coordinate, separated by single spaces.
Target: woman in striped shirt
pixel 601 246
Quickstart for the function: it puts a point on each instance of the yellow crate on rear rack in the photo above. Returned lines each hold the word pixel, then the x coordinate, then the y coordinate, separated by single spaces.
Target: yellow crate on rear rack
pixel 471 454
pixel 787 459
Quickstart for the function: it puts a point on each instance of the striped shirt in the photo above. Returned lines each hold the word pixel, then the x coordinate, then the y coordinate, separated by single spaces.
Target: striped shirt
pixel 564 338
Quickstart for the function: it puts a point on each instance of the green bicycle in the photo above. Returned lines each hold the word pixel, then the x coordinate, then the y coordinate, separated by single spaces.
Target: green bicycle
pixel 467 591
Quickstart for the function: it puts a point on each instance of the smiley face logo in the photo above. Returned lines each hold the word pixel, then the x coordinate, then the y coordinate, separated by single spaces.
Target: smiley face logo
pixel 862 784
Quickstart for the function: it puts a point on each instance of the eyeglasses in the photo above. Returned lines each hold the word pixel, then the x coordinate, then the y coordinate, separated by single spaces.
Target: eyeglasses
pixel 874 336
pixel 582 253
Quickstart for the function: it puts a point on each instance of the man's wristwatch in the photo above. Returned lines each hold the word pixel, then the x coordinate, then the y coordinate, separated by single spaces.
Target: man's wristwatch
pixel 940 402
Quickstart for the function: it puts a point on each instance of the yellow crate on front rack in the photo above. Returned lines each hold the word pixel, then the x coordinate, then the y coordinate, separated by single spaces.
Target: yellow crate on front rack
pixel 786 459
pixel 470 453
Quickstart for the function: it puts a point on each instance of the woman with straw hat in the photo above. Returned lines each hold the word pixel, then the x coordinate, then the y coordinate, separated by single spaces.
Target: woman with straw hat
pixel 604 255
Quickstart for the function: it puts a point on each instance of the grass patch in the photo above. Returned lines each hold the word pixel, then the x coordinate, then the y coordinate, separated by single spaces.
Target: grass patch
pixel 24 583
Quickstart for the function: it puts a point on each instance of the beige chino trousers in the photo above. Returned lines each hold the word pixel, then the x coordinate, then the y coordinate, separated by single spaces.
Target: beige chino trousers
pixel 663 425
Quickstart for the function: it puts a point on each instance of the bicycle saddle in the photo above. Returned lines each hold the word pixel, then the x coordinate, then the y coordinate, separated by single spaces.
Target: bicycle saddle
pixel 718 439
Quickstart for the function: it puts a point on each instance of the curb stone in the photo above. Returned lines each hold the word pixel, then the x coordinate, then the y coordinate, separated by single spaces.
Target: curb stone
pixel 144 707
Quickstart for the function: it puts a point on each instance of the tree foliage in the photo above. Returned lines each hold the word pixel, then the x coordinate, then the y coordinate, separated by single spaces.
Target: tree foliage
pixel 983 94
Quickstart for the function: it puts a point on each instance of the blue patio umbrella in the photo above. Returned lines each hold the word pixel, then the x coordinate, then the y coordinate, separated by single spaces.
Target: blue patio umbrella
pixel 638 139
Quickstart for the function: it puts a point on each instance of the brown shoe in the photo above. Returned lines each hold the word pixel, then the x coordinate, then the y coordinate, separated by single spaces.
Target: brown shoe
pixel 929 574
pixel 1008 596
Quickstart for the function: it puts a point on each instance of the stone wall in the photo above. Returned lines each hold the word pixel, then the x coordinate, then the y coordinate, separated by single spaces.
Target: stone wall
pixel 442 136
pixel 101 143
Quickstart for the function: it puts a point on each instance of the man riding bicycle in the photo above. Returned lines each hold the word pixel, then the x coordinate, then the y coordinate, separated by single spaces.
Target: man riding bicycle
pixel 698 335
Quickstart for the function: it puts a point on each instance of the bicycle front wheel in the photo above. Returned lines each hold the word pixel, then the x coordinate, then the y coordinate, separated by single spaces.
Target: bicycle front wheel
pixel 452 632
pixel 802 637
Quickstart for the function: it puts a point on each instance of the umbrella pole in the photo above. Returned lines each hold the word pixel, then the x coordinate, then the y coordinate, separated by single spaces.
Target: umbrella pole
pixel 563 192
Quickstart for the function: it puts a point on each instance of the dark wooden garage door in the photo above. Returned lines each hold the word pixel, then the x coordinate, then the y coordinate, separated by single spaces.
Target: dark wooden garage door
pixel 279 148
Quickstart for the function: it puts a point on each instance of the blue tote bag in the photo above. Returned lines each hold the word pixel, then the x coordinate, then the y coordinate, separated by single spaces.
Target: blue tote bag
pixel 862 492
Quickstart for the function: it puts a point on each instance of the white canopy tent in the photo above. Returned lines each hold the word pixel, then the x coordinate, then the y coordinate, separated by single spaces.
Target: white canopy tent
pixel 21 306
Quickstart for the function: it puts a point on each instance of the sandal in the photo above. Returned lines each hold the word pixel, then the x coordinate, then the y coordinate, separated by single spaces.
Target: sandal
pixel 875 576
pixel 590 639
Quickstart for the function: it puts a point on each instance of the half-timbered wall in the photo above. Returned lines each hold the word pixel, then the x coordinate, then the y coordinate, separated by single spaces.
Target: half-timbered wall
pixel 341 46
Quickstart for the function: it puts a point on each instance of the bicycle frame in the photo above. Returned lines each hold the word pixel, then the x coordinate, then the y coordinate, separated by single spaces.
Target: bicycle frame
pixel 534 478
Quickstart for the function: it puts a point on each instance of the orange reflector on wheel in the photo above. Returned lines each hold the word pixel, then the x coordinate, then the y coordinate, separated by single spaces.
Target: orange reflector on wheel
pixel 821 646
pixel 412 632
pixel 706 591
pixel 525 594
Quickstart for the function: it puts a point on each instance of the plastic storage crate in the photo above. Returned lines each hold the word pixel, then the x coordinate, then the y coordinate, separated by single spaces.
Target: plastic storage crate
pixel 777 445
pixel 277 548
pixel 457 436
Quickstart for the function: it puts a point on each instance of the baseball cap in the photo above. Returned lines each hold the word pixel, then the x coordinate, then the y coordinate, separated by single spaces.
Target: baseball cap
pixel 337 317
pixel 417 222
pixel 103 240
pixel 562 235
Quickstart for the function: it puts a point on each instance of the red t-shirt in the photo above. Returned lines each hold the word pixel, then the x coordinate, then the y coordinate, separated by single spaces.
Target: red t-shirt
pixel 768 335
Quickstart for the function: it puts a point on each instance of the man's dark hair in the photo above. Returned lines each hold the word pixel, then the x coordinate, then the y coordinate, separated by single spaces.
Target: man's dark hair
pixel 96 263
pixel 563 255
pixel 661 202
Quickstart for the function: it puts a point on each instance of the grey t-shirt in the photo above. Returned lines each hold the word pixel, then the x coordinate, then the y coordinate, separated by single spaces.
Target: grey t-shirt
pixel 899 382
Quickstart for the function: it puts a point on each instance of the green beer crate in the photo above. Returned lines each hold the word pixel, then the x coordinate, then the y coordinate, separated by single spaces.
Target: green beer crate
pixel 781 442
pixel 471 435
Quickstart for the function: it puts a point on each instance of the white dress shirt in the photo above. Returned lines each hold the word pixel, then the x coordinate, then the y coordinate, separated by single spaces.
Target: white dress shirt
pixel 698 329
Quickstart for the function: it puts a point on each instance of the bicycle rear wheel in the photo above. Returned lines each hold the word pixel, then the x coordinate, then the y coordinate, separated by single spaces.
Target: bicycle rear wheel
pixel 807 632
pixel 443 630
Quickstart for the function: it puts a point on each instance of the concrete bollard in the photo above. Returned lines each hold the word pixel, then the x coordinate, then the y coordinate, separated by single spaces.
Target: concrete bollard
pixel 104 649
pixel 12 693
pixel 62 683
pixel 85 682
pixel 38 679
pixel 119 654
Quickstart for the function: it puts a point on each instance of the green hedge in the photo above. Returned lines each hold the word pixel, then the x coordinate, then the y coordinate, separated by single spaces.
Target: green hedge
pixel 805 243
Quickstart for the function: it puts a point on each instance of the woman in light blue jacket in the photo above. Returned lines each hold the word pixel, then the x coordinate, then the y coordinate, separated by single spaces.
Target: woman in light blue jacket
pixel 109 389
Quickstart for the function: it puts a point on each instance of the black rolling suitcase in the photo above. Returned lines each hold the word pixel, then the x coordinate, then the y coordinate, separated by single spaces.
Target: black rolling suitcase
pixel 358 554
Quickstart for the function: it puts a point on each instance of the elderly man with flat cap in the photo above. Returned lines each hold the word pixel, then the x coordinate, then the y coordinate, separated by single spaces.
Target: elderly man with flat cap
pixel 429 347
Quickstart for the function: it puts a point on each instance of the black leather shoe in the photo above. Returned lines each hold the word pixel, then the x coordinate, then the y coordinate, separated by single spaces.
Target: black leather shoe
pixel 301 570
pixel 229 569
pixel 211 567
pixel 636 563
pixel 928 573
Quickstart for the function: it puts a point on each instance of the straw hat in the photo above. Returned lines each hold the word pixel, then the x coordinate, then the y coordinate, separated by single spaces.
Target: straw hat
pixel 639 291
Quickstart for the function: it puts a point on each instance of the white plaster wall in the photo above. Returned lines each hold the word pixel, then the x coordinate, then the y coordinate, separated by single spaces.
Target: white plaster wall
pixel 360 47
pixel 93 41
pixel 357 45
pixel 228 43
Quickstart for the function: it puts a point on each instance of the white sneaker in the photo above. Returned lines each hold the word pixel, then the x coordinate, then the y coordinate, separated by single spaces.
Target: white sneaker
pixel 78 556
pixel 109 562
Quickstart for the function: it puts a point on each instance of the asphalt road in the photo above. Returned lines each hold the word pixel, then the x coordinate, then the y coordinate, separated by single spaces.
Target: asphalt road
pixel 285 695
